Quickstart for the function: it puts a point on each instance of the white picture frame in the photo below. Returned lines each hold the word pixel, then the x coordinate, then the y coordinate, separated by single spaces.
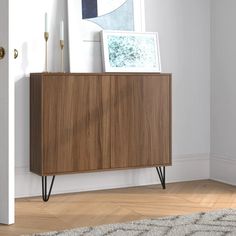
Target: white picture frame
pixel 125 51
pixel 84 37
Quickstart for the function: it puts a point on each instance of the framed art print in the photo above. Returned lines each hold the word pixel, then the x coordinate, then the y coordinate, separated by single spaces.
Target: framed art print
pixel 125 51
pixel 88 17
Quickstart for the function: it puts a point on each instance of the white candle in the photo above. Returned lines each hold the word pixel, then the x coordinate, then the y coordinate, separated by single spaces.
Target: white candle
pixel 62 30
pixel 46 22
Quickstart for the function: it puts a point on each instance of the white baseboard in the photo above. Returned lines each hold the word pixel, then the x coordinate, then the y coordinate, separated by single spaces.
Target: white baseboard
pixel 184 168
pixel 223 168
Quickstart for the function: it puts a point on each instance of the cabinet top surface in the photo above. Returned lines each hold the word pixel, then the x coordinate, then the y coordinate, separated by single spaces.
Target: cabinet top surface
pixel 100 74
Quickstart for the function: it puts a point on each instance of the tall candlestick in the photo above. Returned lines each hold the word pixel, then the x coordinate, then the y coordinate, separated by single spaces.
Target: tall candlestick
pixel 62 30
pixel 46 22
pixel 62 54
pixel 46 36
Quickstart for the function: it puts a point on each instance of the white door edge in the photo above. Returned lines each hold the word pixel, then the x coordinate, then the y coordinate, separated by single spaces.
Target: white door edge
pixel 7 155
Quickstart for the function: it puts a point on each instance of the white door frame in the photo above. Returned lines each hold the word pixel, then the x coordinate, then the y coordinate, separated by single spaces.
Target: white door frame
pixel 7 166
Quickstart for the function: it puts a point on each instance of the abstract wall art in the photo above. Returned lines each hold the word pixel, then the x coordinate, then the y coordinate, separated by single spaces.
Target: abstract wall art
pixel 110 14
pixel 88 17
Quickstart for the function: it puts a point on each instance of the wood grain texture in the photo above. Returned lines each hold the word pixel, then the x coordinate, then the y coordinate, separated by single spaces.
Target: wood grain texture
pixel 36 124
pixel 140 121
pixel 76 124
pixel 91 122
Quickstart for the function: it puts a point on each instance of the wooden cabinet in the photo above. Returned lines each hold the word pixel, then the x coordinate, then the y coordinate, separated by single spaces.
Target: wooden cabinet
pixel 90 122
pixel 140 121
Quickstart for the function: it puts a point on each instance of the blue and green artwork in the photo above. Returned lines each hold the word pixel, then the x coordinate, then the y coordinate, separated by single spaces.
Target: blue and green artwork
pixel 131 51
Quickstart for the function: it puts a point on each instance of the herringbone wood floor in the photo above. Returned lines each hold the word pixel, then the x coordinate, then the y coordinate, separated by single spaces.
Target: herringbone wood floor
pixel 119 205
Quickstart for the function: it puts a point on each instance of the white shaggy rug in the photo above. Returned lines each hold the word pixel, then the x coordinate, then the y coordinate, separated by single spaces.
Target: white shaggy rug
pixel 217 223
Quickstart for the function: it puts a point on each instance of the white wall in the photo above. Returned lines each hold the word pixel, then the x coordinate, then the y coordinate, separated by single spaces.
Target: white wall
pixel 223 87
pixel 184 30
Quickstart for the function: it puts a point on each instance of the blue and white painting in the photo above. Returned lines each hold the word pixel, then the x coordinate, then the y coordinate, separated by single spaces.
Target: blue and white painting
pixel 109 14
pixel 132 51
pixel 87 18
pixel 125 51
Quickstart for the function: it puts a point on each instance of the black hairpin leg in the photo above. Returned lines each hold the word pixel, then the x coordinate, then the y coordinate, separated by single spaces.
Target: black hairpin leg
pixel 162 176
pixel 46 195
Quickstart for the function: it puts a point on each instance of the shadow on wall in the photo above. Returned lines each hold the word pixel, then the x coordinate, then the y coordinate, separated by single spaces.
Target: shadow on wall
pixel 22 112
pixel 22 122
pixel 25 59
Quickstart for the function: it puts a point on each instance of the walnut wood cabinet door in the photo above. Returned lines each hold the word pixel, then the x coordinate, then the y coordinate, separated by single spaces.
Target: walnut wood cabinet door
pixel 140 120
pixel 76 123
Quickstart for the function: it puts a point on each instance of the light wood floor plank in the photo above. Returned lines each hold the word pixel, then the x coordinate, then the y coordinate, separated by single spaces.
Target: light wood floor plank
pixel 118 205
